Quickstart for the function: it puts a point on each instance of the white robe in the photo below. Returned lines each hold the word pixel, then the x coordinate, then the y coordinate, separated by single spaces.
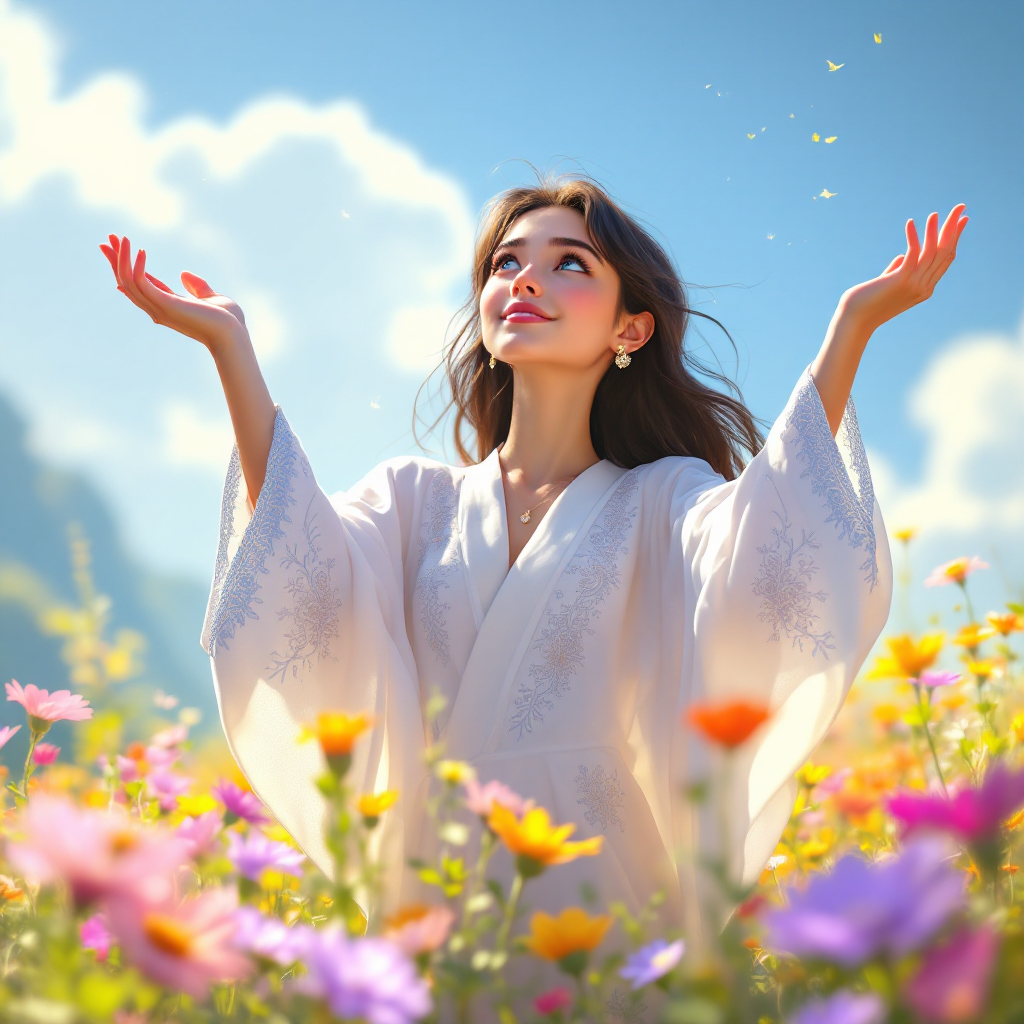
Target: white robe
pixel 566 676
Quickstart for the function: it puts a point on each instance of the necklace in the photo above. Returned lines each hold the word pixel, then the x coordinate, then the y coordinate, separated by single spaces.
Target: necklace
pixel 527 515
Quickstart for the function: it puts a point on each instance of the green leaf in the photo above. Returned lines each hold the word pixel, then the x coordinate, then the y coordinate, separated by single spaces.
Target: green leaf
pixel 496 891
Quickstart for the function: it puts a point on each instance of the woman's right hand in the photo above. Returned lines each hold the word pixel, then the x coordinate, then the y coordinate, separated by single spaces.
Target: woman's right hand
pixel 202 314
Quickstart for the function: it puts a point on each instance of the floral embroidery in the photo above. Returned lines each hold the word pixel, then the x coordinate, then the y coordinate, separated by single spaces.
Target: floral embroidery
pixel 561 638
pixel 851 506
pixel 438 531
pixel 784 585
pixel 241 579
pixel 601 795
pixel 625 1009
pixel 316 604
pixel 227 516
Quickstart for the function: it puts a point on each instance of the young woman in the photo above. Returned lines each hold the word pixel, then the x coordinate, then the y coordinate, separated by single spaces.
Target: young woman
pixel 600 561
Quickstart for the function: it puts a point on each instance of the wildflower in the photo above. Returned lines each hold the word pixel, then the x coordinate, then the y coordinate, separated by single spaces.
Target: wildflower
pixel 935 679
pixel 652 962
pixel 240 803
pixel 953 700
pixel 44 708
pixel 184 946
pixel 337 732
pixel 372 805
pixel 45 753
pixel 96 854
pixel 268 937
pixel 199 833
pixel 166 786
pixel 455 773
pixel 908 657
pixel 956 571
pixel 811 774
pixel 553 1001
pixel 1017 726
pixel 729 723
pixel 906 535
pixel 843 1007
pixel 568 938
pixel 1007 623
pixel 480 799
pixel 9 889
pixel 860 910
pixel 1010 869
pixel 6 733
pixel 886 714
pixel 535 842
pixel 255 853
pixel 981 669
pixel 973 635
pixel 172 736
pixel 365 979
pixel 974 815
pixel 1015 820
pixel 96 936
pixel 418 929
pixel 952 983
pixel 776 862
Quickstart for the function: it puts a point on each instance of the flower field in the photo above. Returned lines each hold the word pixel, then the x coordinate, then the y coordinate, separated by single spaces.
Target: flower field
pixel 142 881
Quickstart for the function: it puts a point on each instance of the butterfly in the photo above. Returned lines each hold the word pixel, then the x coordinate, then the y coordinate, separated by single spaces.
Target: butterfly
pixel 878 37
pixel 832 138
pixel 815 137
pixel 833 67
pixel 825 194
pixel 749 136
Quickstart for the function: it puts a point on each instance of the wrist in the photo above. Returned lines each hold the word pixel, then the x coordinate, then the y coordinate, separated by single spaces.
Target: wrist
pixel 229 344
pixel 851 325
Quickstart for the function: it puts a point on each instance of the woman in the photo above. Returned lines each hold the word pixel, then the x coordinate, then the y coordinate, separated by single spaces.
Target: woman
pixel 605 561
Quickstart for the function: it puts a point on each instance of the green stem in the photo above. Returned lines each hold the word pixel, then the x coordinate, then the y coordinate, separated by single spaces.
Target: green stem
pixel 967 602
pixel 34 738
pixel 924 709
pixel 501 940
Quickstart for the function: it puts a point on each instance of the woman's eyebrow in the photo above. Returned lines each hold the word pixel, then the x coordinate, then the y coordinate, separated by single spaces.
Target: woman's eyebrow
pixel 515 243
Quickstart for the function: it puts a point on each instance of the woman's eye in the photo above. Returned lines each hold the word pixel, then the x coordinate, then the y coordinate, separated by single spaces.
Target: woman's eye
pixel 572 263
pixel 504 263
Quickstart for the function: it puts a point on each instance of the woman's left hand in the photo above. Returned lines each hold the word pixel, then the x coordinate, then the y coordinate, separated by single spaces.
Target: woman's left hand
pixel 911 277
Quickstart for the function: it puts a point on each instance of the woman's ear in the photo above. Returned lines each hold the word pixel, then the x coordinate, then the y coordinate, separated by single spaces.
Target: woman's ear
pixel 635 331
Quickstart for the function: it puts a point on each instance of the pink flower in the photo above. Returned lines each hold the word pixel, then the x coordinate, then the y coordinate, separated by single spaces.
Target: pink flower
pixel 185 946
pixel 257 853
pixel 199 833
pixel 172 736
pixel 96 936
pixel 95 853
pixel 420 929
pixel 6 733
pixel 47 707
pixel 167 786
pixel 553 1001
pixel 480 799
pixel 240 803
pixel 933 679
pixel 952 984
pixel 128 769
pixel 45 753
pixel 956 571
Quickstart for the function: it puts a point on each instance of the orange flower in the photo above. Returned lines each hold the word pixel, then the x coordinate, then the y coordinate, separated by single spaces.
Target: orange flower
pixel 536 843
pixel 337 732
pixel 908 657
pixel 1007 623
pixel 1014 821
pixel 886 715
pixel 373 805
pixel 573 931
pixel 973 635
pixel 1010 869
pixel 952 699
pixel 728 723
pixel 855 803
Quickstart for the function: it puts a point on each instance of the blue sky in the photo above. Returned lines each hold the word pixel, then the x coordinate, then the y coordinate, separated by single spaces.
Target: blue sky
pixel 325 162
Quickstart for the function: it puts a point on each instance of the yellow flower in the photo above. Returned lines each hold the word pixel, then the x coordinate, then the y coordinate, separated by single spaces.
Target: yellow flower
pixel 811 774
pixel 816 848
pixel 196 805
pixel 981 669
pixel 536 843
pixel 952 699
pixel 1014 821
pixel 573 931
pixel 906 535
pixel 886 714
pixel 1017 727
pixel 1006 624
pixel 373 805
pixel 908 658
pixel 337 732
pixel 973 635
pixel 455 772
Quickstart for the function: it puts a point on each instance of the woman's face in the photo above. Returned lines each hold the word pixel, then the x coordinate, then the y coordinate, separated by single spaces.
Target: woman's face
pixel 551 299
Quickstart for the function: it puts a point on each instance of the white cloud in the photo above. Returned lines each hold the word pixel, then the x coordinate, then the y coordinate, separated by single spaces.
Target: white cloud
pixel 193 439
pixel 969 404
pixel 415 335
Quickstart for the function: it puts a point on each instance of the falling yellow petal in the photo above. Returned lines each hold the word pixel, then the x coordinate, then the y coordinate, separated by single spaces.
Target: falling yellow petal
pixel 832 138
pixel 833 67
pixel 825 194
pixel 749 136
pixel 815 137
pixel 878 37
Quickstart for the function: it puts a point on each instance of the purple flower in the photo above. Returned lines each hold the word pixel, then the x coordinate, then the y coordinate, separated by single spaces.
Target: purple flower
pixel 255 853
pixel 167 786
pixel 933 679
pixel 652 962
pixel 972 815
pixel 96 935
pixel 240 803
pixel 861 910
pixel 953 982
pixel 368 979
pixel 269 937
pixel 843 1007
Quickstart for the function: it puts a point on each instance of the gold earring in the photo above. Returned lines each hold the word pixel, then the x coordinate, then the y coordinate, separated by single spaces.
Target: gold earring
pixel 490 362
pixel 622 358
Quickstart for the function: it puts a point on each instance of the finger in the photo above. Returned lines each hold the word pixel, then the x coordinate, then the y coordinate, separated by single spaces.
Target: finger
pixel 949 228
pixel 126 278
pixel 913 246
pixel 158 283
pixel 115 242
pixel 196 285
pixel 931 238
pixel 111 257
pixel 895 265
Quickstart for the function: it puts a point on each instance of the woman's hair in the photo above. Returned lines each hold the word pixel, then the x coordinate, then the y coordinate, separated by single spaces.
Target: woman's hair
pixel 657 406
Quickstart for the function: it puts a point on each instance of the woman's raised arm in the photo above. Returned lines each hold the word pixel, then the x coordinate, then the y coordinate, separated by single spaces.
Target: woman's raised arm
pixel 218 323
pixel 908 280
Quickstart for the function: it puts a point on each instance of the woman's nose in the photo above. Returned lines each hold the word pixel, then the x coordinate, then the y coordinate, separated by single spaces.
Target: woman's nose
pixel 526 282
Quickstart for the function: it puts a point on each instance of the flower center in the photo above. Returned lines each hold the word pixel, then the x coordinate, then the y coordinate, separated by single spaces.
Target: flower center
pixel 122 841
pixel 167 934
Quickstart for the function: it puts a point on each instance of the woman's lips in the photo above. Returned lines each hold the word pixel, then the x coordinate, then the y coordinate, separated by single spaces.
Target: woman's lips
pixel 525 318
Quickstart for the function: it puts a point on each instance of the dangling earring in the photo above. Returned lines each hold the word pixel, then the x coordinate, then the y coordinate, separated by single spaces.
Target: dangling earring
pixel 622 358
pixel 490 362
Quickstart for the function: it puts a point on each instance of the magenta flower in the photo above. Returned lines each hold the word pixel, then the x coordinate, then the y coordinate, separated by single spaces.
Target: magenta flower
pixel 47 707
pixel 185 946
pixel 199 833
pixel 553 1001
pixel 269 937
pixel 6 733
pixel 45 753
pixel 972 815
pixel 952 984
pixel 843 1007
pixel 933 679
pixel 480 799
pixel 652 962
pixel 172 736
pixel 96 936
pixel 956 571
pixel 240 803
pixel 166 786
pixel 255 853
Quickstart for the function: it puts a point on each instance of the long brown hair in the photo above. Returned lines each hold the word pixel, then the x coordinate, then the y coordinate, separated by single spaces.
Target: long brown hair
pixel 656 407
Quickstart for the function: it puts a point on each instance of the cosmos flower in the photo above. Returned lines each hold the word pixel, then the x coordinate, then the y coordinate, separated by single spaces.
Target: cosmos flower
pixel 199 833
pixel 861 910
pixel 44 708
pixel 843 1007
pixel 537 843
pixel 419 929
pixel 573 931
pixel 956 571
pixel 96 936
pixel 728 723
pixel 269 937
pixel 480 799
pixel 166 786
pixel 952 984
pixel 6 733
pixel 240 803
pixel 45 753
pixel 934 679
pixel 255 853
pixel 552 1001
pixel 652 962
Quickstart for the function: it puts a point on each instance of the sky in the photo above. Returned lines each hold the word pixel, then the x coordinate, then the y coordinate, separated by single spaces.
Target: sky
pixel 324 163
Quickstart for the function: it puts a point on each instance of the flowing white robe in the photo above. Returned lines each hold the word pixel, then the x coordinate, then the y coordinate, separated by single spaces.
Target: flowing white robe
pixel 566 676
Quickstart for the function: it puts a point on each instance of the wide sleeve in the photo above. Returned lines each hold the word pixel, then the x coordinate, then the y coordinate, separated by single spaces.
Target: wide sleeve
pixel 788 585
pixel 306 614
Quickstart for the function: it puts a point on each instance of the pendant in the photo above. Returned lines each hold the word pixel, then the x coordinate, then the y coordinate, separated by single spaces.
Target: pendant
pixel 525 517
